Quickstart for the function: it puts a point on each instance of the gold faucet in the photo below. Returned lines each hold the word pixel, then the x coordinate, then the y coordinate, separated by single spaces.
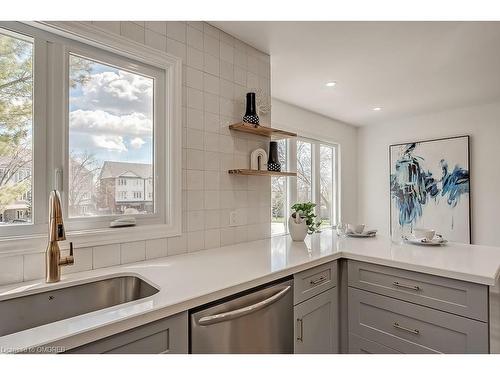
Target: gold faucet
pixel 53 260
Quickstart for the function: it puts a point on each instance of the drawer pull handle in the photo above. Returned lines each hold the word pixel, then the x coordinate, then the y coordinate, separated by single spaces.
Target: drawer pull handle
pixel 411 330
pixel 318 280
pixel 405 286
pixel 300 330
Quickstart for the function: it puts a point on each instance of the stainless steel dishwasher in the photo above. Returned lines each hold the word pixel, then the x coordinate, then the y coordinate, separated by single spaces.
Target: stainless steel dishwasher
pixel 260 321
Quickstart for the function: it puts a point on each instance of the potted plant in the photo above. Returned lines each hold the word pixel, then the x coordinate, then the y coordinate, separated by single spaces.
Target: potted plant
pixel 303 221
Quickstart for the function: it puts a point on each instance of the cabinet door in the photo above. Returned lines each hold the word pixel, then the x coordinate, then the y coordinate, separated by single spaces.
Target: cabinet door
pixel 316 324
pixel 165 336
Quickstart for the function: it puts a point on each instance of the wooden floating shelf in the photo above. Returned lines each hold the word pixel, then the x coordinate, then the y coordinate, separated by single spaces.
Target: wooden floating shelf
pixel 261 130
pixel 252 172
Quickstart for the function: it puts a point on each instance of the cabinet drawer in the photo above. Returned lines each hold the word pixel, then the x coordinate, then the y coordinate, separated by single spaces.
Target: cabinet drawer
pixel 308 283
pixel 360 345
pixel 411 328
pixel 169 335
pixel 455 296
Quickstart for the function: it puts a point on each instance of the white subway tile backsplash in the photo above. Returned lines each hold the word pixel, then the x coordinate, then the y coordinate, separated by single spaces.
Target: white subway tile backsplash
pixel 211 104
pixel 211 180
pixel 211 141
pixel 212 219
pixel 132 31
pixel 194 118
pixel 105 256
pixel 194 180
pixel 226 90
pixel 194 58
pixel 211 122
pixel 195 98
pixel 194 38
pixel 194 78
pixel 195 220
pixel 11 269
pixel 211 30
pixel 177 245
pixel 212 199
pixel 194 139
pixel 211 64
pixel 156 248
pixel 212 161
pixel 212 238
pixel 195 160
pixel 176 48
pixel 240 58
pixel 226 236
pixel 226 70
pixel 177 30
pixel 133 252
pixel 196 241
pixel 241 234
pixel 211 84
pixel 226 52
pixel 112 26
pixel 159 27
pixel 227 107
pixel 196 24
pixel 155 40
pixel 34 266
pixel 83 261
pixel 195 200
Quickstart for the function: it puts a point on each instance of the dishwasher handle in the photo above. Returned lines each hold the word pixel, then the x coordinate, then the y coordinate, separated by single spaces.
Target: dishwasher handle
pixel 217 318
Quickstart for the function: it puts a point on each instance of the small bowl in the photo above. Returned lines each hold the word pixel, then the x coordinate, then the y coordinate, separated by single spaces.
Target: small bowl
pixel 428 234
pixel 356 228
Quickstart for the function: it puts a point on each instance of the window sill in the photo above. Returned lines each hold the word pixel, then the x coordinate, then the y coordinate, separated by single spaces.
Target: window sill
pixel 18 245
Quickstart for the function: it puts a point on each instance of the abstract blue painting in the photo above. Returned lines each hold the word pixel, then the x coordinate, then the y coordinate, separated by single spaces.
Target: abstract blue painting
pixel 430 187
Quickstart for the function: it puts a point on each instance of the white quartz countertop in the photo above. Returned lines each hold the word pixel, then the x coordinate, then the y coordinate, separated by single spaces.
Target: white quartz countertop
pixel 193 279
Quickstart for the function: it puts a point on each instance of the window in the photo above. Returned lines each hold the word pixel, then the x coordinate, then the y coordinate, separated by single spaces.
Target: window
pixel 106 115
pixel 279 196
pixel 16 126
pixel 315 163
pixel 304 171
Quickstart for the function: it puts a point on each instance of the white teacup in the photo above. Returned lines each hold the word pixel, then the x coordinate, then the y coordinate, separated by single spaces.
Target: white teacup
pixel 356 228
pixel 428 234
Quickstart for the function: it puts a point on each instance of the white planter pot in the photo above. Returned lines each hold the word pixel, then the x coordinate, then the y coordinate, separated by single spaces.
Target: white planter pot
pixel 298 232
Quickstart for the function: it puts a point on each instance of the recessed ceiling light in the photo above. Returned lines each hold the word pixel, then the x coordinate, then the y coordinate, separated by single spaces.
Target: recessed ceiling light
pixel 330 84
pixel 377 108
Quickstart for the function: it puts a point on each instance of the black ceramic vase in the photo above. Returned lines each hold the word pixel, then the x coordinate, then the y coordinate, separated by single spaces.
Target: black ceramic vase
pixel 251 111
pixel 273 163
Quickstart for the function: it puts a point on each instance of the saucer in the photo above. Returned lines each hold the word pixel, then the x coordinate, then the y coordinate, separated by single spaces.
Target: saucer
pixel 365 234
pixel 436 241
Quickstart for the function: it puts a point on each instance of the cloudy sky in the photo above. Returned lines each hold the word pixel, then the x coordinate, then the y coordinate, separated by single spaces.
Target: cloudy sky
pixel 111 115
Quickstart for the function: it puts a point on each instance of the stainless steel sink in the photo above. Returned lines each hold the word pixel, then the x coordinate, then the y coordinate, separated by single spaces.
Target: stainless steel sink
pixel 18 314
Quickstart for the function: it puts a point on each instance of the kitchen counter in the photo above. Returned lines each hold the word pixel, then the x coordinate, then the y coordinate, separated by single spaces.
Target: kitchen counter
pixel 190 280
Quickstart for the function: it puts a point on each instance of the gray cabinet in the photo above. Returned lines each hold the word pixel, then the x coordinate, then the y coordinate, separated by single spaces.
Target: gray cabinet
pixel 454 296
pixel 379 323
pixel 360 345
pixel 165 336
pixel 308 283
pixel 316 329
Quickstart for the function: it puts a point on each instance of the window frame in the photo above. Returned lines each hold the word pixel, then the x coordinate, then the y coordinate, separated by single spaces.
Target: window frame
pixel 47 156
pixel 291 148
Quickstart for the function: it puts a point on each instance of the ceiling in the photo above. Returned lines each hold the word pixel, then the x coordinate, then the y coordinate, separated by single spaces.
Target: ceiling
pixel 407 68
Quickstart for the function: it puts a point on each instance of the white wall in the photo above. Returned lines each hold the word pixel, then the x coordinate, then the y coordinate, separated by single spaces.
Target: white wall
pixel 481 122
pixel 312 125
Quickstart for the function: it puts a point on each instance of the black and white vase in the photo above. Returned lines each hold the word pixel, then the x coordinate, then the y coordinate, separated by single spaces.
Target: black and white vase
pixel 273 163
pixel 251 116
